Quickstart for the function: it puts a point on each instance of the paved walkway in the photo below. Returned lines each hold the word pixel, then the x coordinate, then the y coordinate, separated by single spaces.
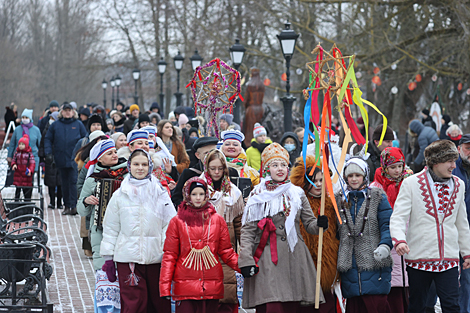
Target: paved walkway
pixel 72 283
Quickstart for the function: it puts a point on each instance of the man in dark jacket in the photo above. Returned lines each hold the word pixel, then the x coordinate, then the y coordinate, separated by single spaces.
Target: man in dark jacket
pixel 462 171
pixel 53 107
pixel 375 150
pixel 61 138
pixel 426 135
pixel 129 124
pixel 201 147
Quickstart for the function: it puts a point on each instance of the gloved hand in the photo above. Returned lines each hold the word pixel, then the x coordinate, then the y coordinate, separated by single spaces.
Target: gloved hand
pixel 49 159
pixel 249 271
pixel 166 298
pixel 381 252
pixel 110 268
pixel 322 221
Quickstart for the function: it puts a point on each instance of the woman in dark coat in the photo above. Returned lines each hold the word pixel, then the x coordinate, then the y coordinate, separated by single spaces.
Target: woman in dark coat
pixel 51 175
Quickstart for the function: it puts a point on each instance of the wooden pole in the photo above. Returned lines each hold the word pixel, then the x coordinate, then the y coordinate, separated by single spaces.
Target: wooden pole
pixel 320 243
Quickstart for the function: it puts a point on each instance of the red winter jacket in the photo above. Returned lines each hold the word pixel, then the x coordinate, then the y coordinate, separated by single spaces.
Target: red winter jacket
pixel 187 282
pixel 20 158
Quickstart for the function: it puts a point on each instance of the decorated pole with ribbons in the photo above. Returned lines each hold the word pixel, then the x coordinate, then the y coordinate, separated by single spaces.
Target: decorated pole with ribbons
pixel 330 74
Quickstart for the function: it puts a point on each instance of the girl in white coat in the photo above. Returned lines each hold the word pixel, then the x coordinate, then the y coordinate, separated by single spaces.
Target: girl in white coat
pixel 134 231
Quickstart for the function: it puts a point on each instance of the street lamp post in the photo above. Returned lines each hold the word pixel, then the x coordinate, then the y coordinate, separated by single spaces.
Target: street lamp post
pixel 196 60
pixel 287 39
pixel 113 83
pixel 136 75
pixel 178 62
pixel 117 80
pixel 161 69
pixel 104 84
pixel 237 52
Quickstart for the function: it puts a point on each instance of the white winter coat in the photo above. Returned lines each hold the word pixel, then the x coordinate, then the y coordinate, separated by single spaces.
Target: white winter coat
pixel 135 223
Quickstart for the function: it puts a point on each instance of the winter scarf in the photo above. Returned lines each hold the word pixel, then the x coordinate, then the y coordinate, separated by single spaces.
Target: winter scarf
pixel 26 128
pixel 267 203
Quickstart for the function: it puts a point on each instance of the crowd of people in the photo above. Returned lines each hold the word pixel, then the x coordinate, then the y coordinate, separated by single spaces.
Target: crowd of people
pixel 184 213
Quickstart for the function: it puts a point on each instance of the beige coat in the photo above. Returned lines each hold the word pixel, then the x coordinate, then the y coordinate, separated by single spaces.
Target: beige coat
pixel 294 276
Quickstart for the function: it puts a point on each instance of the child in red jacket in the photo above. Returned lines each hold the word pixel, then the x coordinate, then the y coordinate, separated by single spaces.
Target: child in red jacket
pixel 23 164
pixel 195 240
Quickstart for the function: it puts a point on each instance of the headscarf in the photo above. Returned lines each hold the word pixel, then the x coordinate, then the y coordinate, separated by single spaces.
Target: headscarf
pixel 98 150
pixel 164 153
pixel 225 185
pixel 186 210
pixel 390 185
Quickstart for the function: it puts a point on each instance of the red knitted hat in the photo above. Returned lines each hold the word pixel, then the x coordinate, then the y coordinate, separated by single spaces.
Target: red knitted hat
pixel 25 140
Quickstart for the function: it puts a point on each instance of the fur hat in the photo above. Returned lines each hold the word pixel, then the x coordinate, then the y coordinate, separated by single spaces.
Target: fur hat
pixel 440 151
pixel 259 130
pixel 272 153
pixel 378 132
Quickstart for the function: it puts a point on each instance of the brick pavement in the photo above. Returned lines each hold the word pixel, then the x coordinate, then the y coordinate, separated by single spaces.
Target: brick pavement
pixel 72 283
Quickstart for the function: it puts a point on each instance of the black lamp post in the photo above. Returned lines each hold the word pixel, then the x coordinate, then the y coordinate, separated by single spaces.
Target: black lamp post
pixel 117 80
pixel 104 84
pixel 237 52
pixel 161 69
pixel 288 38
pixel 136 75
pixel 112 83
pixel 178 62
pixel 196 60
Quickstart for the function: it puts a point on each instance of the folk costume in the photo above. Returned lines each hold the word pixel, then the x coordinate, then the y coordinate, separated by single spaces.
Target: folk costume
pixel 196 239
pixel 107 294
pixel 364 260
pixel 287 274
pixel 240 163
pixel 397 298
pixel 330 242
pixel 134 231
pixel 438 229
pixel 228 202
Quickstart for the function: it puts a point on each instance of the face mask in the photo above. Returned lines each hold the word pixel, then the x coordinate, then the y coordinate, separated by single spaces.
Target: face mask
pixel 289 147
pixel 25 120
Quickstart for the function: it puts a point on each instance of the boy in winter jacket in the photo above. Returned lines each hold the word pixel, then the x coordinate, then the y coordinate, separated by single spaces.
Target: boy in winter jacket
pixel 23 164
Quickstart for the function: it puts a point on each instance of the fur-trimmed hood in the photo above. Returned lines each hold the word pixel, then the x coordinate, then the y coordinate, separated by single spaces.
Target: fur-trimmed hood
pixel 75 114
